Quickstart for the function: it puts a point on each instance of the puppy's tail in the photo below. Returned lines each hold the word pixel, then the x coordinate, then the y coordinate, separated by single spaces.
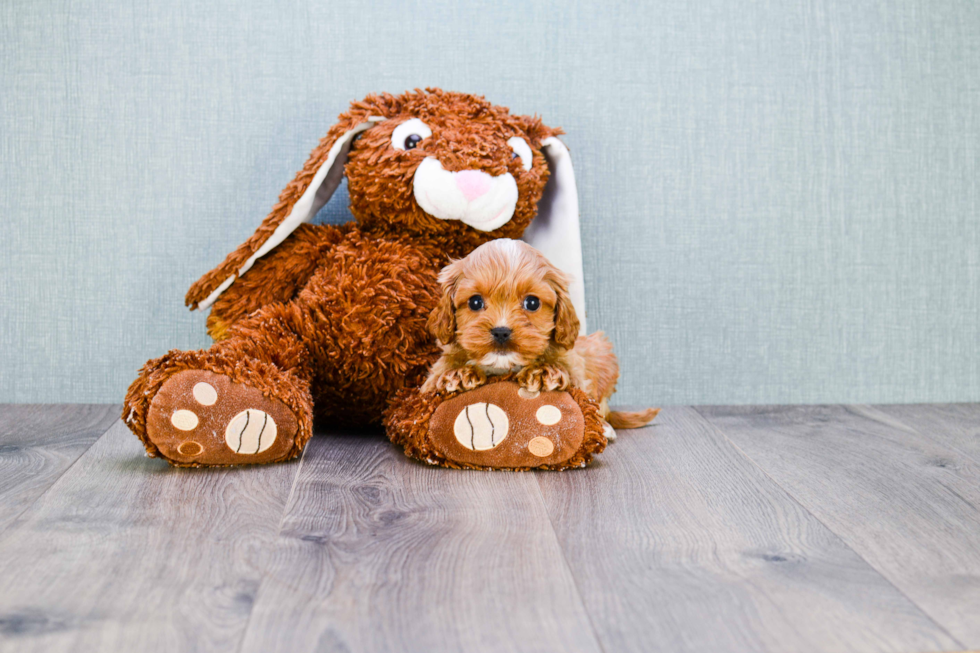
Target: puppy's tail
pixel 622 420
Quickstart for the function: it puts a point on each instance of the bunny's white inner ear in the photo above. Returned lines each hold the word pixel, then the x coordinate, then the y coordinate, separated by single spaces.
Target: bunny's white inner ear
pixel 326 180
pixel 555 231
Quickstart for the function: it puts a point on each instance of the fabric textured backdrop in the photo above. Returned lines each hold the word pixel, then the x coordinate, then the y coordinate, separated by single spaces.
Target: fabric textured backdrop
pixel 779 199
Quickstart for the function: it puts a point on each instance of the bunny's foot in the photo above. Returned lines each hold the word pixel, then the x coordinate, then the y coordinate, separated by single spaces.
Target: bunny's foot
pixel 500 425
pixel 197 410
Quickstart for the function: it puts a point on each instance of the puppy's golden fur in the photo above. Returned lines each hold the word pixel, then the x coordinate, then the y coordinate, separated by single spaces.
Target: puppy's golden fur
pixel 507 285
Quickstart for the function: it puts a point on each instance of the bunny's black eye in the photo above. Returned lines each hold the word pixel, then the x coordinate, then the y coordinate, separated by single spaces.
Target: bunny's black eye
pixel 531 303
pixel 409 134
pixel 523 150
pixel 476 303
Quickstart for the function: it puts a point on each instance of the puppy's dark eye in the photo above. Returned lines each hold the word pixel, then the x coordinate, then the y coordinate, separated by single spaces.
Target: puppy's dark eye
pixel 411 141
pixel 531 303
pixel 476 303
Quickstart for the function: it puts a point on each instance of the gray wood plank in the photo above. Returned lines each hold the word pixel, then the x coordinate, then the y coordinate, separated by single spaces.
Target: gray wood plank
pixel 679 543
pixel 956 426
pixel 907 504
pixel 38 443
pixel 380 553
pixel 124 553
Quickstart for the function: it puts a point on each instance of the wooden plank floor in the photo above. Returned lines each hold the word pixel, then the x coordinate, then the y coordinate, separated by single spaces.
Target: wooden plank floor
pixel 817 528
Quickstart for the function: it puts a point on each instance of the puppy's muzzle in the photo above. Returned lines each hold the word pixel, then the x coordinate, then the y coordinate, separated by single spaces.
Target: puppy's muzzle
pixel 501 335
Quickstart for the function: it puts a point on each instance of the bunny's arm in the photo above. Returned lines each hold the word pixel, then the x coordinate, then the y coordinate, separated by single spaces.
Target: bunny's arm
pixel 276 277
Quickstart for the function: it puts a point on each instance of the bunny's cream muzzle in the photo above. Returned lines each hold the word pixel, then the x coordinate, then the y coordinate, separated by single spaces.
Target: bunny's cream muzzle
pixel 473 197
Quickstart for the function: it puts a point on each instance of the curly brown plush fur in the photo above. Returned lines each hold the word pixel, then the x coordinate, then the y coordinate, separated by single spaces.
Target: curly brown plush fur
pixel 335 316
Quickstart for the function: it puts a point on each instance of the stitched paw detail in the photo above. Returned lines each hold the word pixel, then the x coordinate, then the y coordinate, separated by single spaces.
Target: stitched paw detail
pixel 203 418
pixel 481 426
pixel 250 431
pixel 502 425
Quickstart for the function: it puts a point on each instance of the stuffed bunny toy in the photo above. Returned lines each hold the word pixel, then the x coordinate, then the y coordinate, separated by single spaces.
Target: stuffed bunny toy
pixel 331 319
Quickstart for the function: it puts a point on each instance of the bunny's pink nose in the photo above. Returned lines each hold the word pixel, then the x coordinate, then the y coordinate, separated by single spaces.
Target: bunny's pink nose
pixel 473 183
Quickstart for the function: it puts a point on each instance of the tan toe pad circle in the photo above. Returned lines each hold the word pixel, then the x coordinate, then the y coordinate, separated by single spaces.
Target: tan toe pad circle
pixel 250 431
pixel 548 415
pixel 205 394
pixel 190 448
pixel 541 447
pixel 481 426
pixel 184 420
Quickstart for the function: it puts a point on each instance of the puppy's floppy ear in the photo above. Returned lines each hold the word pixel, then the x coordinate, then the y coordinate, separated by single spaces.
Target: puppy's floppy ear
pixel 555 230
pixel 299 201
pixel 442 321
pixel 566 319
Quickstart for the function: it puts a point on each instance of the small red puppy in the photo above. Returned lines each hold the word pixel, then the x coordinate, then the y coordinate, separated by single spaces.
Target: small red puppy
pixel 505 308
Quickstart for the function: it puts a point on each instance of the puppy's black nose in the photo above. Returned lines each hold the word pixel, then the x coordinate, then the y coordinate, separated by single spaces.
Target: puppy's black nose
pixel 500 334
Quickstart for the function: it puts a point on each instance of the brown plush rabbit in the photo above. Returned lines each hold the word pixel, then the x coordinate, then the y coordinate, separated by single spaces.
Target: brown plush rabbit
pixel 335 316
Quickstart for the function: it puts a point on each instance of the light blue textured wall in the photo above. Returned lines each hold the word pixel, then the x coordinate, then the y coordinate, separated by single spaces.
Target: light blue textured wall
pixel 779 199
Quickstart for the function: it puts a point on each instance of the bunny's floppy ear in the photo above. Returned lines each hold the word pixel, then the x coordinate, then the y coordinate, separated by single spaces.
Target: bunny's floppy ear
pixel 298 203
pixel 555 230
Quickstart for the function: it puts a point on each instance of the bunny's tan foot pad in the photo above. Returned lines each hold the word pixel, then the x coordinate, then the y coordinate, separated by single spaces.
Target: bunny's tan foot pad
pixel 200 418
pixel 498 426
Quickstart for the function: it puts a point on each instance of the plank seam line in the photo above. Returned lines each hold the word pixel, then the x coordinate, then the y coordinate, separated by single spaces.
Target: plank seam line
pixel 564 560
pixel 81 455
pixel 836 535
pixel 275 547
pixel 877 410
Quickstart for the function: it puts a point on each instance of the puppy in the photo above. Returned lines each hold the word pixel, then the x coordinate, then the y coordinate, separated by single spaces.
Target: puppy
pixel 505 308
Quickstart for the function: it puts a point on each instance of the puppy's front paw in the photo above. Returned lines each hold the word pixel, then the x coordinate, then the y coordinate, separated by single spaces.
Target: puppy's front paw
pixel 544 377
pixel 463 378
